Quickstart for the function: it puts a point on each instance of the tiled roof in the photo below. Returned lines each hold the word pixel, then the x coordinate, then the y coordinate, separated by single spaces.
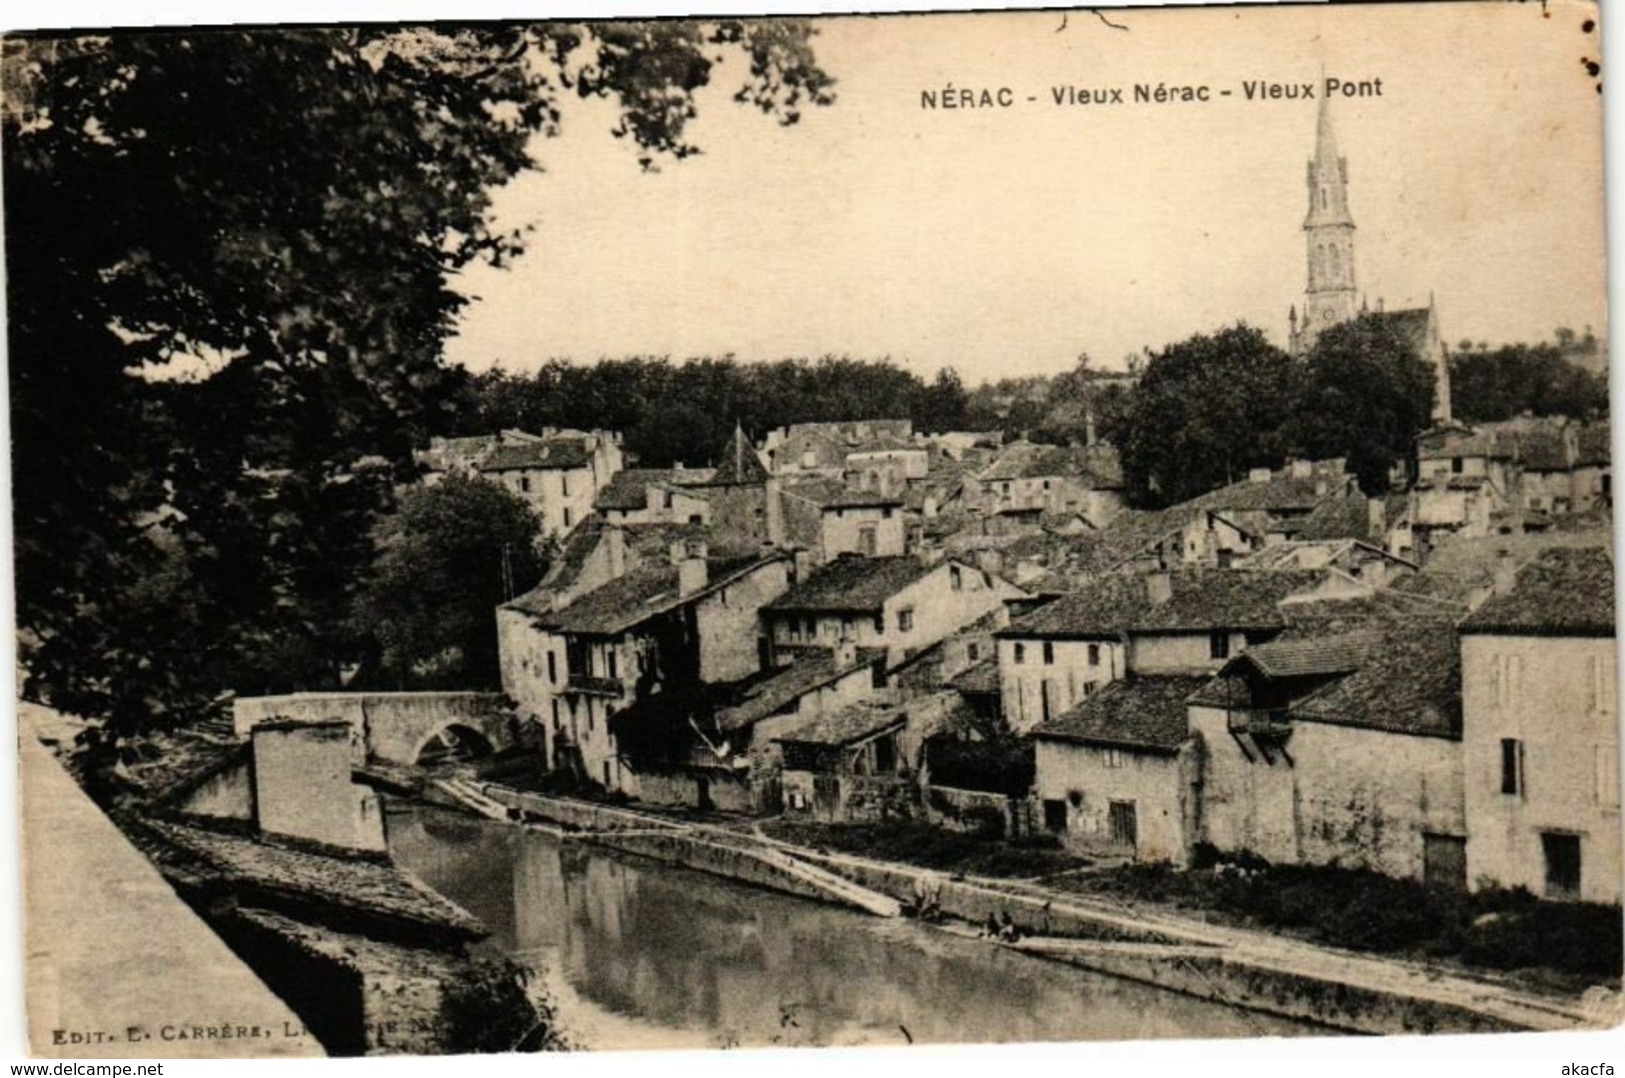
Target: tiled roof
pixel 768 695
pixel 1347 517
pixel 1412 324
pixel 1024 460
pixel 739 464
pixel 628 489
pixel 1595 447
pixel 981 678
pixel 846 726
pixel 1312 656
pixel 633 597
pixel 1563 591
pixel 854 584
pixel 1408 682
pixel 1132 533
pixel 549 453
pixel 283 874
pixel 1199 600
pixel 1397 671
pixel 1147 713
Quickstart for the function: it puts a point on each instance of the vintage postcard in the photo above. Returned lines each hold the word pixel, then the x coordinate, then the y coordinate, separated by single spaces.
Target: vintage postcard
pixel 1020 526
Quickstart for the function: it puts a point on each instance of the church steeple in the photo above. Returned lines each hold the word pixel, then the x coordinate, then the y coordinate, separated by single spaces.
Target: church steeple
pixel 1329 296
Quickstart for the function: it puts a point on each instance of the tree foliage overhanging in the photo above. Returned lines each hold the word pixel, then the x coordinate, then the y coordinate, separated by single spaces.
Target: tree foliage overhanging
pixel 282 207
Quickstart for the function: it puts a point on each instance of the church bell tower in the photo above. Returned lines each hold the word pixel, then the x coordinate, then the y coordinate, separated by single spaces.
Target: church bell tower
pixel 1329 297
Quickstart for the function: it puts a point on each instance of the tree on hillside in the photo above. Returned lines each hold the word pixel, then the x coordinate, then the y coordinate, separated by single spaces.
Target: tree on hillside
pixel 942 404
pixel 1500 383
pixel 1204 412
pixel 282 210
pixel 445 560
pixel 1367 394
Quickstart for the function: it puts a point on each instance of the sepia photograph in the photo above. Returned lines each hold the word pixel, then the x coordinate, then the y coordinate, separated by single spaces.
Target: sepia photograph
pixel 865 530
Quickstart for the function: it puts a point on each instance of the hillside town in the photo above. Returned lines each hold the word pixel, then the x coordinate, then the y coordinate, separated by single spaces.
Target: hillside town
pixel 1263 684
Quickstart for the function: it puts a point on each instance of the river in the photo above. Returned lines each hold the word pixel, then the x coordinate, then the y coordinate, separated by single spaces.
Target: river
pixel 639 954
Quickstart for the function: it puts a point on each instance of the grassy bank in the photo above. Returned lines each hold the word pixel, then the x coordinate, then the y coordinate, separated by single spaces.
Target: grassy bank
pixel 921 844
pixel 1562 945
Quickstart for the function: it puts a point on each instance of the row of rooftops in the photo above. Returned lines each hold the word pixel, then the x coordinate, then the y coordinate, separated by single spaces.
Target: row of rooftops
pixel 1391 666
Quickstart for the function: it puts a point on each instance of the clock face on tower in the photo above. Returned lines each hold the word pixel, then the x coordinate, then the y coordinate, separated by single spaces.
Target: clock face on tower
pixel 1327 315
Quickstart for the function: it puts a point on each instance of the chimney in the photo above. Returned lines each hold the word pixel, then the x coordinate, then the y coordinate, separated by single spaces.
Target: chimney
pixel 1089 425
pixel 615 543
pixel 1506 571
pixel 1159 586
pixel 1320 487
pixel 802 563
pixel 930 552
pixel 1258 475
pixel 692 574
pixel 1302 469
pixel 846 653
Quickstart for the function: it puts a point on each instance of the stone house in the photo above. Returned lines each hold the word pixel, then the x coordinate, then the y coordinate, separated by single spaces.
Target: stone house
pixel 848 767
pixel 902 604
pixel 1340 745
pixel 822 448
pixel 573 663
pixel 1181 623
pixel 558 474
pixel 854 522
pixel 1120 775
pixel 655 496
pixel 1541 729
pixel 1029 478
pixel 746 507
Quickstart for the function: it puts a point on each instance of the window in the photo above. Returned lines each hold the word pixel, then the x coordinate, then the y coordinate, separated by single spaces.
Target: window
pixel 867 542
pixel 1049 653
pixel 1607 775
pixel 905 620
pixel 973 652
pixel 1455 465
pixel 1094 654
pixel 1508 678
pixel 1021 653
pixel 1112 757
pixel 1511 766
pixel 558 724
pixel 613 663
pixel 955 581
pixel 1043 694
pixel 567 521
pixel 606 773
pixel 1124 827
pixel 846 628
pixel 552 668
pixel 880 623
pixel 1602 684
pixel 1054 815
pixel 1562 864
pixel 809 628
pixel 524 484
pixel 1218 644
pixel 564 483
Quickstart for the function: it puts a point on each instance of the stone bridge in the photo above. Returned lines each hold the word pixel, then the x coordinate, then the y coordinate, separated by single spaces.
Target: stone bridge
pixel 393 727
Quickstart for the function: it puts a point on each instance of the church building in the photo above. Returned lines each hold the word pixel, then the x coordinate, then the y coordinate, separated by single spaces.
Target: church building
pixel 1330 297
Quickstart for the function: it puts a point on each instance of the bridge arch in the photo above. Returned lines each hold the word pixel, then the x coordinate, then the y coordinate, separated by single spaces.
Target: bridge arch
pixel 453 740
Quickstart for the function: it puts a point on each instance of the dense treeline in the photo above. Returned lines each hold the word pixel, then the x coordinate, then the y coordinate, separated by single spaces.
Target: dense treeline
pixel 1488 384
pixel 669 412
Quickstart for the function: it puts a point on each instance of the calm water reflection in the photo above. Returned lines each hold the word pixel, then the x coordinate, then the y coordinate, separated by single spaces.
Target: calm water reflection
pixel 640 954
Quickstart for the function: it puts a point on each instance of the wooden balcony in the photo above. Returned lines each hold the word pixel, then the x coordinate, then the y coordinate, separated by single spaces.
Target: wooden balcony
pixel 595 686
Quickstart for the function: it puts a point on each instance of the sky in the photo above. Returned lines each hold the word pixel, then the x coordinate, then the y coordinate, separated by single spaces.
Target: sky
pixel 1007 241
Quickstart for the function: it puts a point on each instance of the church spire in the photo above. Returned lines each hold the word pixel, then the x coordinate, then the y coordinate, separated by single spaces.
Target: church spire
pixel 1329 295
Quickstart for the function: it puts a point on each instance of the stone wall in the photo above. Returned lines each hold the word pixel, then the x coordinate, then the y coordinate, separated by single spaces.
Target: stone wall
pixel 1352 796
pixel 967 810
pixel 302 786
